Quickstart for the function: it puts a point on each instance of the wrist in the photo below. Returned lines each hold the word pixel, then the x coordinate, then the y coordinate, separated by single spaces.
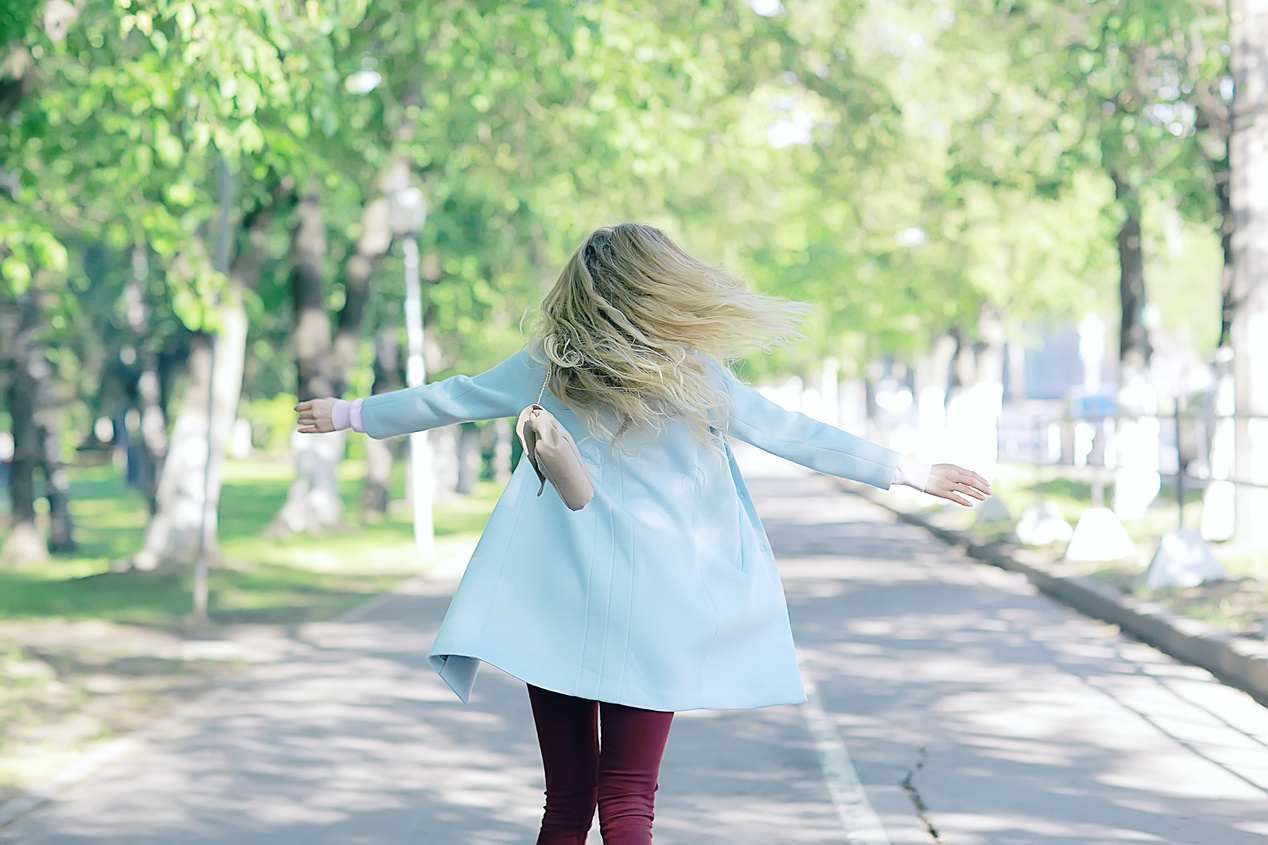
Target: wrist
pixel 354 416
pixel 911 473
pixel 341 414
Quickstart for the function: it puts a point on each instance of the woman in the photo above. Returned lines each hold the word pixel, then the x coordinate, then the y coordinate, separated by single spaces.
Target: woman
pixel 662 594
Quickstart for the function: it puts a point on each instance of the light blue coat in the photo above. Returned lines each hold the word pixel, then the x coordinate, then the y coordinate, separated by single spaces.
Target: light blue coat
pixel 662 593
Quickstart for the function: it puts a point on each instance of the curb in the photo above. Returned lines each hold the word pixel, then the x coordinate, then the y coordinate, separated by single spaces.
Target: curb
pixel 1237 661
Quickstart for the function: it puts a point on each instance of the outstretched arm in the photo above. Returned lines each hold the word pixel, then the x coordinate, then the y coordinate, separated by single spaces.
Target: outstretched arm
pixel 756 420
pixel 500 392
pixel 798 438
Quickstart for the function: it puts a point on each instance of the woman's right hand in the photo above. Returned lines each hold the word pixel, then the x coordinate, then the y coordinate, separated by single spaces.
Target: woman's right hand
pixel 315 416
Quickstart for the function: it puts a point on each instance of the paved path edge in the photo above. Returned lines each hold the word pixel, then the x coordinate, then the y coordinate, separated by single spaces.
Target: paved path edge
pixel 91 762
pixel 1239 662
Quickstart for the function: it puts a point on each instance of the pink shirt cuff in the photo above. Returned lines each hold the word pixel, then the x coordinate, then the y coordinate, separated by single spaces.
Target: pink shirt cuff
pixel 347 414
pixel 911 473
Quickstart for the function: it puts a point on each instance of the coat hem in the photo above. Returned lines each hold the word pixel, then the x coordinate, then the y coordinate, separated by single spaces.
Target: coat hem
pixel 460 675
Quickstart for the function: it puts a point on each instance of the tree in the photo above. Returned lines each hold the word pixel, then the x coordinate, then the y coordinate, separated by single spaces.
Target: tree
pixel 1249 200
pixel 222 58
pixel 182 529
pixel 24 249
pixel 1119 76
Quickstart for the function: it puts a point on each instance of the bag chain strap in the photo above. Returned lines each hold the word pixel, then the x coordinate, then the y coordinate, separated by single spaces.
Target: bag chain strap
pixel 543 390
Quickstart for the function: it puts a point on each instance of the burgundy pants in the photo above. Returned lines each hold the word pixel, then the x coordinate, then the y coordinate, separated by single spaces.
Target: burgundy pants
pixel 619 775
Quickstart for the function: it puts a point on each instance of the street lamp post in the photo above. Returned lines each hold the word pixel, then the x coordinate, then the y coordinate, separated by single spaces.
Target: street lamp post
pixel 409 213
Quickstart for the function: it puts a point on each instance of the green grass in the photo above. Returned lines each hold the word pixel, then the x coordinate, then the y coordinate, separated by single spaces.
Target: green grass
pixel 87 651
pixel 259 579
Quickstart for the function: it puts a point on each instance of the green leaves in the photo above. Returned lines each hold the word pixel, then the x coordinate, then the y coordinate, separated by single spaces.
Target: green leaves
pixel 26 252
pixel 16 19
pixel 899 163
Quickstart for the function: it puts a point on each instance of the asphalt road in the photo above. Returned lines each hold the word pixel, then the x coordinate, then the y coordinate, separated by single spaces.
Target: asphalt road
pixel 952 704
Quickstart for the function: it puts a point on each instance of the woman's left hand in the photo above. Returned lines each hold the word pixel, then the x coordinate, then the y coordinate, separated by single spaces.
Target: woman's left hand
pixel 948 481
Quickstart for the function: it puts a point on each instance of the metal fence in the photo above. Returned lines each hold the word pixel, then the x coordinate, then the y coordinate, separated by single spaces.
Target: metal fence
pixel 1188 441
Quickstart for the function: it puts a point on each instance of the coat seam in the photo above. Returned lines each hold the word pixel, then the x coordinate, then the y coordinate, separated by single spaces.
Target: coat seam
pixel 625 641
pixel 585 634
pixel 704 585
pixel 607 611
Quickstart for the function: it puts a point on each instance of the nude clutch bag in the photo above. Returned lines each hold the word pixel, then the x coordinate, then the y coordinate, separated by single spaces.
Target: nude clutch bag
pixel 554 455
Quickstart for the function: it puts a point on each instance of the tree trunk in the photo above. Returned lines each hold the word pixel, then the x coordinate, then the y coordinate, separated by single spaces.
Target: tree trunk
pixel 25 542
pixel 1249 194
pixel 148 438
pixel 36 441
pixel 932 373
pixel 443 443
pixel 380 454
pixel 503 435
pixel 1221 173
pixel 1016 389
pixel 1213 118
pixel 1228 309
pixel 987 390
pixel 183 528
pixel 376 238
pixel 311 331
pixel 976 396
pixel 1136 478
pixel 468 458
pixel 47 420
pixel 61 529
pixel 989 349
pixel 313 503
pixel 1135 350
pixel 963 367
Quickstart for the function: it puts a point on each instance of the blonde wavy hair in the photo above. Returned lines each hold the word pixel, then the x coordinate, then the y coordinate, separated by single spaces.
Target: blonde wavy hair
pixel 622 325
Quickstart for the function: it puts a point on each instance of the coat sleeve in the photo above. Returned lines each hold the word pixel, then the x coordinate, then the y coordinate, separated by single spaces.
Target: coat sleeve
pixel 503 391
pixel 798 438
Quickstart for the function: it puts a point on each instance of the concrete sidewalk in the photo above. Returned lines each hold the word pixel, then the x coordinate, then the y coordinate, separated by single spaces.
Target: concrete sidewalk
pixel 971 708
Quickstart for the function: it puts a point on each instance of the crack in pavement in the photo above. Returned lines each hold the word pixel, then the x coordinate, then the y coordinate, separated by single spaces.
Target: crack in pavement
pixel 908 784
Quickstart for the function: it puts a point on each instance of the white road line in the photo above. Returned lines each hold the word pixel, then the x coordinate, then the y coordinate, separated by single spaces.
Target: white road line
pixel 862 825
